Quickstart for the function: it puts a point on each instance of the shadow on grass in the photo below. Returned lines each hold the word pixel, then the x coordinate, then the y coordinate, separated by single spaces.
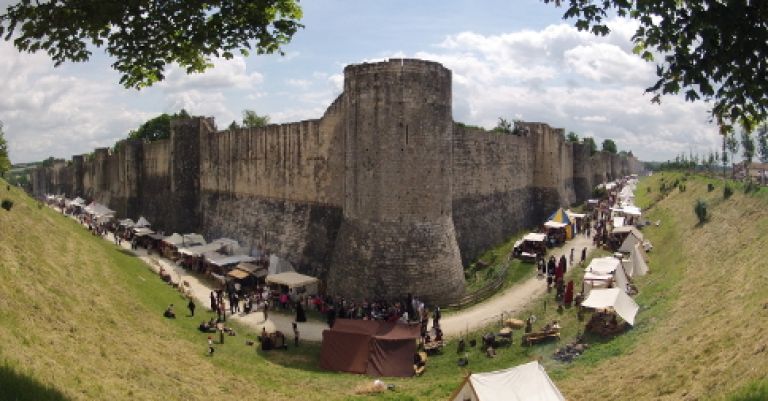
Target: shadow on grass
pixel 18 387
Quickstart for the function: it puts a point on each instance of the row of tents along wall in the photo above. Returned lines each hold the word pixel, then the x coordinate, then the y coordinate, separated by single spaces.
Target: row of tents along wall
pixel 608 281
pixel 561 226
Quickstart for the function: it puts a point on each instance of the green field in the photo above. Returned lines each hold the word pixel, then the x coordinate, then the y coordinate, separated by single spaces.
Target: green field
pixel 81 319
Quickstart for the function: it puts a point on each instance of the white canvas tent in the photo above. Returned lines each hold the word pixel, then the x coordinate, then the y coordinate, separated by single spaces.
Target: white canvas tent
pixel 554 224
pixel 291 279
pixel 615 299
pixel 629 229
pixel 220 260
pixel 199 250
pixel 603 270
pixel 279 265
pixel 639 267
pixel 527 382
pixel 142 231
pixel 535 237
pixel 127 223
pixel 185 240
pixel 98 210
pixel 142 222
pixel 629 243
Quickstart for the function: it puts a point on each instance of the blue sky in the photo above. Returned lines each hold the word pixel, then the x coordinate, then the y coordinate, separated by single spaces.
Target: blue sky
pixel 517 60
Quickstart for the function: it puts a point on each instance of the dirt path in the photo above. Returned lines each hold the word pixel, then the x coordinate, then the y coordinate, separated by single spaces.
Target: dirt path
pixel 512 300
pixel 508 303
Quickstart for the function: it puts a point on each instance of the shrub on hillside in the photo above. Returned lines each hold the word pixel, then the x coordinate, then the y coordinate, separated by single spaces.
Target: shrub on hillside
pixel 751 186
pixel 710 187
pixel 700 208
pixel 648 189
pixel 681 187
pixel 6 204
pixel 727 191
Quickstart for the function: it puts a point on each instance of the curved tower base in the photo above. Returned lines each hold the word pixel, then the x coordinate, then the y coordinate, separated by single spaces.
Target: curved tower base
pixel 381 260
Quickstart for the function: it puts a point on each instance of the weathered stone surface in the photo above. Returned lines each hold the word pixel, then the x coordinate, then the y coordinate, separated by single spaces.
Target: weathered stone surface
pixel 299 232
pixel 382 195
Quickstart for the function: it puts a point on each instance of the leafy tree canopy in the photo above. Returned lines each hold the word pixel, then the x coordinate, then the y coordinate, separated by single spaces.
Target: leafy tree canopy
pixel 590 142
pixel 572 137
pixel 504 126
pixel 609 146
pixel 253 120
pixel 710 49
pixel 157 128
pixel 5 161
pixel 145 36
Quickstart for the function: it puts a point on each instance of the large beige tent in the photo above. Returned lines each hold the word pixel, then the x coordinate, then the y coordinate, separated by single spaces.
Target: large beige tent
pixel 527 382
pixel 291 279
pixel 614 299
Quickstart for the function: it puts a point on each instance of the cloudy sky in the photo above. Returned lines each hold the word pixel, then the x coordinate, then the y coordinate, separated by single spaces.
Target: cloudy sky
pixel 517 60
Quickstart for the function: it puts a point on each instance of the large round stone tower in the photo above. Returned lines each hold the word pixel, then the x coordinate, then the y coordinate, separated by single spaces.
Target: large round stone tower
pixel 397 235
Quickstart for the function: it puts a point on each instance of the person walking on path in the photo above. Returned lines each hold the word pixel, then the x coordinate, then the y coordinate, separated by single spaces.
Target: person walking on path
pixel 214 305
pixel 295 334
pixel 191 305
pixel 436 315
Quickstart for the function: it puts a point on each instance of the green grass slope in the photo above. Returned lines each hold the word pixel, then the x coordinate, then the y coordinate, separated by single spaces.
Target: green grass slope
pixel 81 320
pixel 701 330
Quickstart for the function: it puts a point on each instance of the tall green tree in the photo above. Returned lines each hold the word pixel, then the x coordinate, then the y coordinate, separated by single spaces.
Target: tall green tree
pixel 708 49
pixel 732 144
pixel 748 145
pixel 762 142
pixel 143 37
pixel 609 146
pixel 5 160
pixel 590 142
pixel 572 137
pixel 157 128
pixel 253 120
pixel 503 126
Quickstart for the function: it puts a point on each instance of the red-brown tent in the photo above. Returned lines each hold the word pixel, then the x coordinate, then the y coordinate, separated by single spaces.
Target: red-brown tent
pixel 373 347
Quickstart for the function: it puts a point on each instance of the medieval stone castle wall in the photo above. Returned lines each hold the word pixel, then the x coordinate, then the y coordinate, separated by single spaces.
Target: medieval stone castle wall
pixel 383 195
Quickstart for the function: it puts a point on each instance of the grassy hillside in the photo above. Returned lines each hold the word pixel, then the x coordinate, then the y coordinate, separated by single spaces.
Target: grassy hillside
pixel 79 319
pixel 701 331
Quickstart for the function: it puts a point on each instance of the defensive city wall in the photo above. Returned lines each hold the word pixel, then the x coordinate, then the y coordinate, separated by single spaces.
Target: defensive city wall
pixel 383 195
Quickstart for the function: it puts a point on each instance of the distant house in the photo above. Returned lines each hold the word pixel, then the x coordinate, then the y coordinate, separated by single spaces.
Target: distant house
pixel 757 171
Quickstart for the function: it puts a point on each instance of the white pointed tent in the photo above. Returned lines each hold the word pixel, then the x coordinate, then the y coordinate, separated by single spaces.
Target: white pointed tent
pixel 613 299
pixel 527 382
pixel 639 267
pixel 601 271
pixel 629 243
pixel 142 222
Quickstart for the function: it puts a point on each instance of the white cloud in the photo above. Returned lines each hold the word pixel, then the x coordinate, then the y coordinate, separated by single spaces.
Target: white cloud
pixel 47 113
pixel 225 74
pixel 592 85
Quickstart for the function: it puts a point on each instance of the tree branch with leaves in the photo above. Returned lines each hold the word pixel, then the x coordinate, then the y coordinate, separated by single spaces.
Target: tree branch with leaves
pixel 145 36
pixel 710 50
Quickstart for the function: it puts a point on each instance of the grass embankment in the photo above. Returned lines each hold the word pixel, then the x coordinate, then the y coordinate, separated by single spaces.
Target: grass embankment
pixel 79 319
pixel 700 333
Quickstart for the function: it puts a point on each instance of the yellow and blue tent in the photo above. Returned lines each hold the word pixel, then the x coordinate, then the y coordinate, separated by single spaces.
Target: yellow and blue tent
pixel 561 217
